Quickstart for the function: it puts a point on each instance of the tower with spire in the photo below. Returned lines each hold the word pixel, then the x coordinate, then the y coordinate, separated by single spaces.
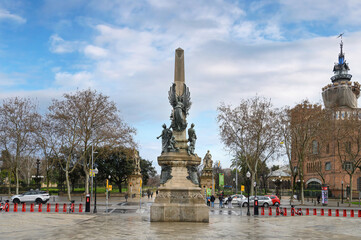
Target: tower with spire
pixel 341 92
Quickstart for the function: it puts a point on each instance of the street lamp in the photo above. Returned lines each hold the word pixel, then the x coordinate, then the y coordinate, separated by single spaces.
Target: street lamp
pixel 92 176
pixel 95 197
pixel 248 175
pixel 342 192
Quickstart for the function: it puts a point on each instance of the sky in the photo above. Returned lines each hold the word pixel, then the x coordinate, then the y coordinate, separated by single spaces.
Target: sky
pixel 283 50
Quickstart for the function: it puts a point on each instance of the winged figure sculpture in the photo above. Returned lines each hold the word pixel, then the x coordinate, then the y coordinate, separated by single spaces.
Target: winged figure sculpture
pixel 181 106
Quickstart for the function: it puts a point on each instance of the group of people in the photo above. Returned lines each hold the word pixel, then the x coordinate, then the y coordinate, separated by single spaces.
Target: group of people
pixel 221 198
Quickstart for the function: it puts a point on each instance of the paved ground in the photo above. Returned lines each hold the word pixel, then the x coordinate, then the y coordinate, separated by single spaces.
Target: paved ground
pixel 130 222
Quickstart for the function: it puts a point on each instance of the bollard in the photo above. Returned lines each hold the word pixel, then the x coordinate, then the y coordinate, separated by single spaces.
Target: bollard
pixel 32 207
pixel 23 208
pixel 64 207
pixel 15 207
pixel 40 207
pixel 359 213
pixel 277 211
pixel 352 214
pixel 314 211
pixel 56 207
pixel 48 207
pixel 344 213
pixel 322 212
pixel 80 207
pixel 292 211
pixel 337 213
pixel 262 211
pixel 87 203
pixel 7 207
pixel 270 211
pixel 284 211
pixel 329 212
pixel 307 211
pixel 72 207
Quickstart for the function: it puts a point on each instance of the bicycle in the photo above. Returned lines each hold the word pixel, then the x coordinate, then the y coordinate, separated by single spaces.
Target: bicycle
pixel 71 206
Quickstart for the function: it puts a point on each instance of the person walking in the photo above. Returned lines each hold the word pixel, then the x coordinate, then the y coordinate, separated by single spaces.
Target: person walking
pixel 220 201
pixel 229 200
pixel 212 200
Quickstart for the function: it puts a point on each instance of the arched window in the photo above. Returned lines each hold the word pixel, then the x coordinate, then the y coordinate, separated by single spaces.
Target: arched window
pixel 314 147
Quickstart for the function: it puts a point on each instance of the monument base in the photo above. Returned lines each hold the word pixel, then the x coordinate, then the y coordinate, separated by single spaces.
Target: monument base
pixel 173 212
pixel 134 187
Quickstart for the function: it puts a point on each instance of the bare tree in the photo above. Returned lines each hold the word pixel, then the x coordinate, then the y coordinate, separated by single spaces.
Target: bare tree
pixel 347 137
pixel 92 120
pixel 251 130
pixel 19 122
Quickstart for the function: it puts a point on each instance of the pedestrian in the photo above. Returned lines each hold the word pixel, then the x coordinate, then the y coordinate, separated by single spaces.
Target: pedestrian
pixel 229 201
pixel 220 201
pixel 148 193
pixel 151 194
pixel 212 200
pixel 126 197
pixel 156 192
pixel 318 199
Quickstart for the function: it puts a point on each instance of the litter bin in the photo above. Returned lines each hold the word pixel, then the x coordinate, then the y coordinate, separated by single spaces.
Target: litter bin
pixel 87 203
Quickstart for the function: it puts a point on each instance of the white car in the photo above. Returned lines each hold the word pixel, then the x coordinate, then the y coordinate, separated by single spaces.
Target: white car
pixel 31 196
pixel 263 201
pixel 235 198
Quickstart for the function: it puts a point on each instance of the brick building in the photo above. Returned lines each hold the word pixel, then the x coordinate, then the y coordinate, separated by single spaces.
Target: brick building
pixel 340 96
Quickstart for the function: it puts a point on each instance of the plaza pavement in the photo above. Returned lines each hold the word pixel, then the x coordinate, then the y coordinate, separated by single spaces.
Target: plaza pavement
pixel 128 221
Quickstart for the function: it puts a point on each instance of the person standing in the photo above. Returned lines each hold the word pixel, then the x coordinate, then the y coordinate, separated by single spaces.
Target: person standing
pixel 229 201
pixel 220 201
pixel 212 200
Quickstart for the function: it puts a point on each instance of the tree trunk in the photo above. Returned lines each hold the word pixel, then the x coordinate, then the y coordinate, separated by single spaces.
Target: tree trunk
pixel 349 204
pixel 9 177
pixel 302 192
pixel 17 180
pixel 68 184
pixel 86 181
pixel 253 178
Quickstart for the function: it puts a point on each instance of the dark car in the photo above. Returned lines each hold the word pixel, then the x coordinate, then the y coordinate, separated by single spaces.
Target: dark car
pixel 275 200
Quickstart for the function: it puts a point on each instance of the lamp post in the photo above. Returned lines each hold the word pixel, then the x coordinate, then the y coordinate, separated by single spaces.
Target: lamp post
pixel 95 197
pixel 248 175
pixel 341 191
pixel 92 176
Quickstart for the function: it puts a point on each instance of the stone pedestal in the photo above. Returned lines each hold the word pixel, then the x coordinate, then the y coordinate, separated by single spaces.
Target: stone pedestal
pixel 134 186
pixel 207 180
pixel 180 199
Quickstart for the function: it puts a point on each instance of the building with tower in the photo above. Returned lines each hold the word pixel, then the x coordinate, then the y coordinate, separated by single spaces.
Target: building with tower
pixel 323 164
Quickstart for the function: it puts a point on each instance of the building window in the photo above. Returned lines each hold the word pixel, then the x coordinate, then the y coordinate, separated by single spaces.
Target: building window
pixel 314 147
pixel 347 166
pixel 328 148
pixel 328 166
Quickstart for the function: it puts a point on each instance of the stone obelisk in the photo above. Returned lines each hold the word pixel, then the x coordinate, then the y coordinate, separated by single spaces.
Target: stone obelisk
pixel 180 198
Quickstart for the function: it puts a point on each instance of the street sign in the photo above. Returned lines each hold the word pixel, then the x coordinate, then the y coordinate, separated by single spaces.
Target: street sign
pixel 141 182
pixel 110 187
pixel 255 184
pixel 242 188
pixel 209 191
pixel 221 179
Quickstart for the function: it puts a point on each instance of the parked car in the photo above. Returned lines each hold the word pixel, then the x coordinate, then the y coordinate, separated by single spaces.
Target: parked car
pixel 262 201
pixel 31 196
pixel 275 200
pixel 235 198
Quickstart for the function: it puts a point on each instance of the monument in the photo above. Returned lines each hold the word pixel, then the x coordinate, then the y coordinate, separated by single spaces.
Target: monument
pixel 180 198
pixel 207 179
pixel 135 179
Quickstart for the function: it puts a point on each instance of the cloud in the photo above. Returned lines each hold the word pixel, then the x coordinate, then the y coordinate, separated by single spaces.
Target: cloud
pixel 6 15
pixel 59 45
